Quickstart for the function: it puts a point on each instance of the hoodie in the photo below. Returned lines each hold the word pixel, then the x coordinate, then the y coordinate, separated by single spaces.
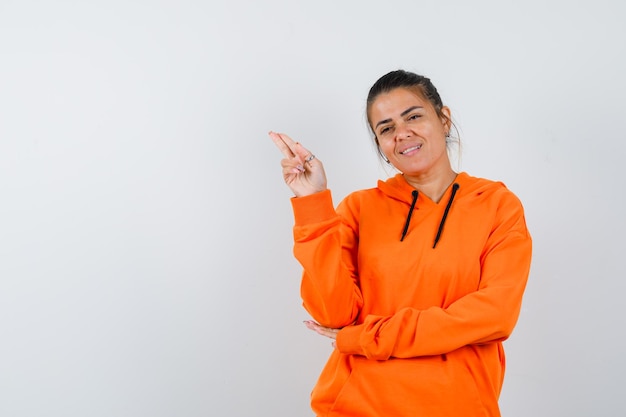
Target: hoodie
pixel 424 294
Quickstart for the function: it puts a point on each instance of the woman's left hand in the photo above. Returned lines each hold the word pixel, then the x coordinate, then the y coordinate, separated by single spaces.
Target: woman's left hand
pixel 324 331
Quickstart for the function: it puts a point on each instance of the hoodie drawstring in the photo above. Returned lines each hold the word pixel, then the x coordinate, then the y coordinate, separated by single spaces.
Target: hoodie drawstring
pixel 408 217
pixel 455 188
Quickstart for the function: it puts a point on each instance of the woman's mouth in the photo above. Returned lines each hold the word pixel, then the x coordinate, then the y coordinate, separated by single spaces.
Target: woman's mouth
pixel 411 149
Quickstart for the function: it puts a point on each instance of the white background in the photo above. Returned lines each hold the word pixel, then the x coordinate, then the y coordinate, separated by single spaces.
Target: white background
pixel 145 231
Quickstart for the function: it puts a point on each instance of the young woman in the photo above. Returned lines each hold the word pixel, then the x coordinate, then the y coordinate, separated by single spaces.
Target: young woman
pixel 419 280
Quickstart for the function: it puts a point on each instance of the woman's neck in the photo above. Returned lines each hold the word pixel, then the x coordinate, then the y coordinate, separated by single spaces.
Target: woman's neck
pixel 433 186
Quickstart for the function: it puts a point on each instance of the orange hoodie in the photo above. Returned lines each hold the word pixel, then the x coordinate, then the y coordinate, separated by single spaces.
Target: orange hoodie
pixel 424 294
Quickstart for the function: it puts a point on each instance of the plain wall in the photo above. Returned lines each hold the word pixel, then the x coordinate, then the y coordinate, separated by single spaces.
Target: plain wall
pixel 145 230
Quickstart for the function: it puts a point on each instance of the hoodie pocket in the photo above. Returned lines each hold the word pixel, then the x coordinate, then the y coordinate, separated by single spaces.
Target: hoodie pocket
pixel 409 387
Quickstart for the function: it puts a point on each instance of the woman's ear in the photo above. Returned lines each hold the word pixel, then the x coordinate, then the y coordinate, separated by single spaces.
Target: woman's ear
pixel 446 118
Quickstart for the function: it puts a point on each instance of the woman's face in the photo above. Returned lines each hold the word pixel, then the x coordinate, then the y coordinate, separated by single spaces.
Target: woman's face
pixel 410 133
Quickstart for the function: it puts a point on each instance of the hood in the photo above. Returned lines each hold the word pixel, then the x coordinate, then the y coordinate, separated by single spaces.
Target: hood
pixel 462 187
pixel 397 188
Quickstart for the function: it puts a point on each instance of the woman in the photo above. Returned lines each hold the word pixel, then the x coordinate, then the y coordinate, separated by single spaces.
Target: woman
pixel 418 280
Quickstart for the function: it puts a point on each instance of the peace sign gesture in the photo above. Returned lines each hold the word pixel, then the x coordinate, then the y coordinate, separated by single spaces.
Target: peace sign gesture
pixel 302 171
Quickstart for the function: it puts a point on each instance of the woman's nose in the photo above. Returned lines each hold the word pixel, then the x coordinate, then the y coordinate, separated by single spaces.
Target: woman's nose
pixel 402 132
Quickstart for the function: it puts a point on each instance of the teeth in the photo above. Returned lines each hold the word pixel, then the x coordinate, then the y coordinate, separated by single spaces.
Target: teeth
pixel 411 149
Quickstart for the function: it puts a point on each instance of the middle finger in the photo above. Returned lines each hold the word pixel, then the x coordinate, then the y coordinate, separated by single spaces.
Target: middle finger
pixel 284 143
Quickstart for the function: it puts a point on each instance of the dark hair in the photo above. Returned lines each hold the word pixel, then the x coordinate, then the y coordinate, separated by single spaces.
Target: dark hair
pixel 404 79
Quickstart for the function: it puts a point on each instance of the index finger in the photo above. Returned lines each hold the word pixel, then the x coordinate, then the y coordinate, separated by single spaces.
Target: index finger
pixel 284 143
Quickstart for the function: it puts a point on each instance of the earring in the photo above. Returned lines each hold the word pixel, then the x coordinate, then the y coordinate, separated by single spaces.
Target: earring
pixel 380 152
pixel 382 155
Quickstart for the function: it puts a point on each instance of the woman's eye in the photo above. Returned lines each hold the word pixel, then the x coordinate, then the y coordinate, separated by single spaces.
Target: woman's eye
pixel 414 116
pixel 384 130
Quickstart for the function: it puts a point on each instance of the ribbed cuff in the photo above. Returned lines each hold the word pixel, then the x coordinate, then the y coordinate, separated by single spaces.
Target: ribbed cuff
pixel 313 208
pixel 348 340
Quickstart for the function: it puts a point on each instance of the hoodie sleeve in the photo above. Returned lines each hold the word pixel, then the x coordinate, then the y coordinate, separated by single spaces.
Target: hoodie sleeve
pixel 486 315
pixel 326 246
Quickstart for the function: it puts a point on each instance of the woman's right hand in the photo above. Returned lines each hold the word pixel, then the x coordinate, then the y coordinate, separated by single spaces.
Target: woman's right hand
pixel 302 171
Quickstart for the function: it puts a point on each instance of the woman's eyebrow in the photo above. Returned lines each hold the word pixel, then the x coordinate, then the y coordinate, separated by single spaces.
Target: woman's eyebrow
pixel 382 122
pixel 409 110
pixel 404 113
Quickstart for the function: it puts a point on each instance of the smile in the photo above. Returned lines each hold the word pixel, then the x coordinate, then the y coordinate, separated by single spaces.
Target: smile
pixel 411 149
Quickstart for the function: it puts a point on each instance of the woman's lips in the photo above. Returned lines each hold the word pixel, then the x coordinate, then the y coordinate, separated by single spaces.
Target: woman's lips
pixel 411 149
